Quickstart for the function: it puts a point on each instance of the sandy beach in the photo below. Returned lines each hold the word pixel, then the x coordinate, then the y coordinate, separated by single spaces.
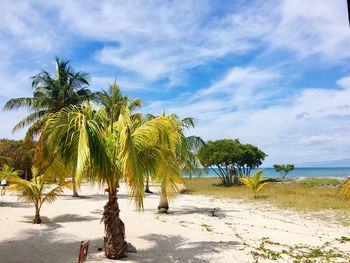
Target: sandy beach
pixel 189 233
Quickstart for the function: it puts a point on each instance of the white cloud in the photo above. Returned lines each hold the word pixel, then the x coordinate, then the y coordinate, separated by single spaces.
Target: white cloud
pixel 165 39
pixel 161 38
pixel 322 132
pixel 313 27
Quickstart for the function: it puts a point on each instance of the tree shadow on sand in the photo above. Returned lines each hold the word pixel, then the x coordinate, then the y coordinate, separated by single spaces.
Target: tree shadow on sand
pixel 174 248
pixel 72 218
pixel 53 223
pixel 94 197
pixel 37 246
pixel 14 204
pixel 211 211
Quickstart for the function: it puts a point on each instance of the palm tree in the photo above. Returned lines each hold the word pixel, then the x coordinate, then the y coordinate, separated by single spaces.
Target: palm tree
pixel 255 183
pixel 50 95
pixel 84 139
pixel 182 160
pixel 113 101
pixel 34 191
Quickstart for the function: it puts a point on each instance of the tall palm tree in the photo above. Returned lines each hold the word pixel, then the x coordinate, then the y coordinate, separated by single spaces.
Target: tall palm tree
pixel 185 161
pixel 50 95
pixel 83 138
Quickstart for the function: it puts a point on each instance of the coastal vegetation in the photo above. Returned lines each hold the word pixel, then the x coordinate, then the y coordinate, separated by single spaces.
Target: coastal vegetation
pixel 35 191
pixel 186 157
pixel 320 196
pixel 283 169
pixel 128 151
pixel 20 156
pixel 254 183
pixel 230 159
pixel 50 95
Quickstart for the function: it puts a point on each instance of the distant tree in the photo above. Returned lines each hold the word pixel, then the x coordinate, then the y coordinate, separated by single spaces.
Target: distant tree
pixel 18 155
pixel 283 169
pixel 230 160
pixel 255 183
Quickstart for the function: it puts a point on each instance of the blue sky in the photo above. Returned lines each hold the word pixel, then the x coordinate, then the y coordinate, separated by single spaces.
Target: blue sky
pixel 272 73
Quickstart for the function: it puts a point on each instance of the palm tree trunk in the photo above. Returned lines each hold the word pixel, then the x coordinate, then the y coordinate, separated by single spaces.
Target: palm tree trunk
pixel 147 186
pixel 163 206
pixel 37 219
pixel 75 192
pixel 114 239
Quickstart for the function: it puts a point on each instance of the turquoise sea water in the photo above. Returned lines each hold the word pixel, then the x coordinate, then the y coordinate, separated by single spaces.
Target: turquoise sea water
pixel 297 172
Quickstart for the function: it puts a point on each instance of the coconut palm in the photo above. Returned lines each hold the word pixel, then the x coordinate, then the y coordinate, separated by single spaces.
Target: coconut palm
pixel 34 191
pixel 50 95
pixel 113 101
pixel 255 183
pixel 185 160
pixel 84 139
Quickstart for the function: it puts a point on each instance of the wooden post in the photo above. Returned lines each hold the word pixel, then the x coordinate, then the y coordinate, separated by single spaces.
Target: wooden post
pixel 84 247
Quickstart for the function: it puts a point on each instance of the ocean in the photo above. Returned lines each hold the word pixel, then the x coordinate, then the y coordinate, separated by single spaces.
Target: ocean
pixel 337 172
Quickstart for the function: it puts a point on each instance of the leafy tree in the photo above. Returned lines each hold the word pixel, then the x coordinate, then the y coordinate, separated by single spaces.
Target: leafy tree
pixel 127 153
pixel 50 95
pixel 33 191
pixel 230 160
pixel 283 169
pixel 18 155
pixel 255 183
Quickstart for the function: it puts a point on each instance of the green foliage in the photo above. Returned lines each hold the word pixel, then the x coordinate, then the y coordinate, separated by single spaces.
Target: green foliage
pixel 17 154
pixel 328 252
pixel 7 172
pixel 255 183
pixel 82 137
pixel 230 159
pixel 320 182
pixel 283 169
pixel 183 153
pixel 34 191
pixel 323 202
pixel 50 95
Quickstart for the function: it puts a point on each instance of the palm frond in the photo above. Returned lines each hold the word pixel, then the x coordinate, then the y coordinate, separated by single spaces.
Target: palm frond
pixel 18 103
pixel 345 188
pixel 55 192
pixel 31 118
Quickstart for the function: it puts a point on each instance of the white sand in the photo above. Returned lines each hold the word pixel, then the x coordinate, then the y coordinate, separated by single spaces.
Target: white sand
pixel 179 236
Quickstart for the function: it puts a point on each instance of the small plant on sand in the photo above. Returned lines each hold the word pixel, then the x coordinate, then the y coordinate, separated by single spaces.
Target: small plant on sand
pixel 35 191
pixel 255 183
pixel 299 253
pixel 207 227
